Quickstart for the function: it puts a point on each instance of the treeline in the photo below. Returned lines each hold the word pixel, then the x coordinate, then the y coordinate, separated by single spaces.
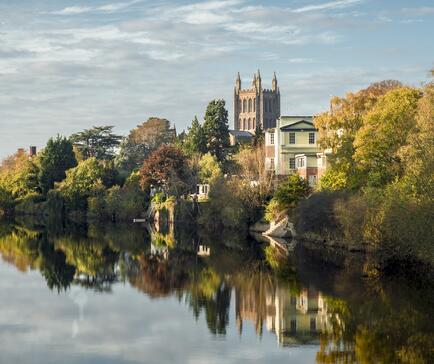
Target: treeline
pixel 378 190
pixel 100 175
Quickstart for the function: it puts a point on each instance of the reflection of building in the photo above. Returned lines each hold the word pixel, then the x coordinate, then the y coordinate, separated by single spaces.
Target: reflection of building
pixel 295 318
pixel 204 251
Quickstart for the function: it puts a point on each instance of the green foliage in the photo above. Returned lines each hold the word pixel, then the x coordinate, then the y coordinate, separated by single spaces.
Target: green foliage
pixel 195 140
pixel 259 137
pixel 82 182
pixel 333 180
pixel 18 175
pixel 378 140
pixel 6 202
pixel 339 126
pixel 223 208
pixel 142 141
pixel 216 129
pixel 98 142
pixel 286 196
pixel 209 169
pixel 57 157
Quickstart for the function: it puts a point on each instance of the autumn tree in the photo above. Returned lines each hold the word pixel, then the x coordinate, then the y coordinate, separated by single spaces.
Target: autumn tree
pixel 384 131
pixel 57 157
pixel 216 129
pixel 338 128
pixel 99 142
pixel 142 141
pixel 19 175
pixel 166 168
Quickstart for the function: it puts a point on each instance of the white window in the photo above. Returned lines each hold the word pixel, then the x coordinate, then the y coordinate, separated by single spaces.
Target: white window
pixel 291 138
pixel 300 162
pixel 272 138
pixel 311 138
pixel 291 163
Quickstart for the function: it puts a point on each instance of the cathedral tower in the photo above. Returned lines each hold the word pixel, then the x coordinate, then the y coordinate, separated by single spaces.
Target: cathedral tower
pixel 256 105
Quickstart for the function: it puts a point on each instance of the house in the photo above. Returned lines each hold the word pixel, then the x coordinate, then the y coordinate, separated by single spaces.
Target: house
pixel 292 147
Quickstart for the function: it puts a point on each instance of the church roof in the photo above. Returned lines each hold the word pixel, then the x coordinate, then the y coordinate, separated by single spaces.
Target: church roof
pixel 240 133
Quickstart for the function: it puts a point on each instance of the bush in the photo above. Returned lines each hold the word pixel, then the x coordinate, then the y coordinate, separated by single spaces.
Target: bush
pixel 286 196
pixel 316 214
pixel 223 209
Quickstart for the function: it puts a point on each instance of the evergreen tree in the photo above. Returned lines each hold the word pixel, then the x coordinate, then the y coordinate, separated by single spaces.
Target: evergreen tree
pixel 195 141
pixel 216 129
pixel 57 157
pixel 98 142
pixel 258 138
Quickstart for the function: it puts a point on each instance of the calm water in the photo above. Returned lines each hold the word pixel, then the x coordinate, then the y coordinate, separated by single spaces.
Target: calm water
pixel 118 294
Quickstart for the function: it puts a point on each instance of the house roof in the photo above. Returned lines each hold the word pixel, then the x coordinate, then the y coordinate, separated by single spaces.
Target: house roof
pixel 299 125
pixel 241 133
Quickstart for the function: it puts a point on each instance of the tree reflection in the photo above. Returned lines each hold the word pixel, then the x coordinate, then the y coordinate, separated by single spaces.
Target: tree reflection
pixel 351 319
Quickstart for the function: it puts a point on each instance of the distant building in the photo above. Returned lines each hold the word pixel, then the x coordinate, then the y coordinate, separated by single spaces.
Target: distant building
pixel 239 137
pixel 32 151
pixel 292 147
pixel 256 105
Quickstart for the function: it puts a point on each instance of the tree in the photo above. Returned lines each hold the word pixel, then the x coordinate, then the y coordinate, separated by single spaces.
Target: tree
pixel 418 154
pixel 57 157
pixel 142 140
pixel 19 175
pixel 209 169
pixel 98 142
pixel 216 129
pixel 339 126
pixel 166 168
pixel 82 182
pixel 195 141
pixel 286 196
pixel 259 137
pixel 385 130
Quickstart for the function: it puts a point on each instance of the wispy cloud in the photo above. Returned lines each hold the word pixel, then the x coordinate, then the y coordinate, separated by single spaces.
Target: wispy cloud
pixel 300 60
pixel 423 10
pixel 326 6
pixel 108 8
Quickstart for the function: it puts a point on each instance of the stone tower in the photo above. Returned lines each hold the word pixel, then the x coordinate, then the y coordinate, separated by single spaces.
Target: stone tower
pixel 256 105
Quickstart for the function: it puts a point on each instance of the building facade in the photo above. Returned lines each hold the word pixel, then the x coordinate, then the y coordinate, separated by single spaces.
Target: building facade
pixel 292 147
pixel 256 105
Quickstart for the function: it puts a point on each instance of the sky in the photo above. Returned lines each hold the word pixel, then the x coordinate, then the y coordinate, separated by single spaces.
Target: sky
pixel 66 66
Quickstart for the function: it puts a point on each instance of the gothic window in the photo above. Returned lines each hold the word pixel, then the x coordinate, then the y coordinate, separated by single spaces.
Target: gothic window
pixel 254 105
pixel 244 124
pixel 269 106
pixel 244 106
pixel 249 126
pixel 266 105
pixel 250 105
pixel 254 123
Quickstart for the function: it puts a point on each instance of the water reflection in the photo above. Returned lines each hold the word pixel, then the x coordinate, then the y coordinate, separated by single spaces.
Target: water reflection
pixel 299 300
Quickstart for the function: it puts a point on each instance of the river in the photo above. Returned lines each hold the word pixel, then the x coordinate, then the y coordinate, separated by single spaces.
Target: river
pixel 120 294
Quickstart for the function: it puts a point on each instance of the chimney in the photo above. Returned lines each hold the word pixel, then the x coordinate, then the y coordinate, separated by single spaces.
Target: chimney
pixel 32 151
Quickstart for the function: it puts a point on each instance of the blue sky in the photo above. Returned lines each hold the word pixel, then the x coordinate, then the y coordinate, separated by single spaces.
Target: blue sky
pixel 68 65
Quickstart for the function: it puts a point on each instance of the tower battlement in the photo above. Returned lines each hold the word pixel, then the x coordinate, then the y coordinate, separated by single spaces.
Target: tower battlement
pixel 256 105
